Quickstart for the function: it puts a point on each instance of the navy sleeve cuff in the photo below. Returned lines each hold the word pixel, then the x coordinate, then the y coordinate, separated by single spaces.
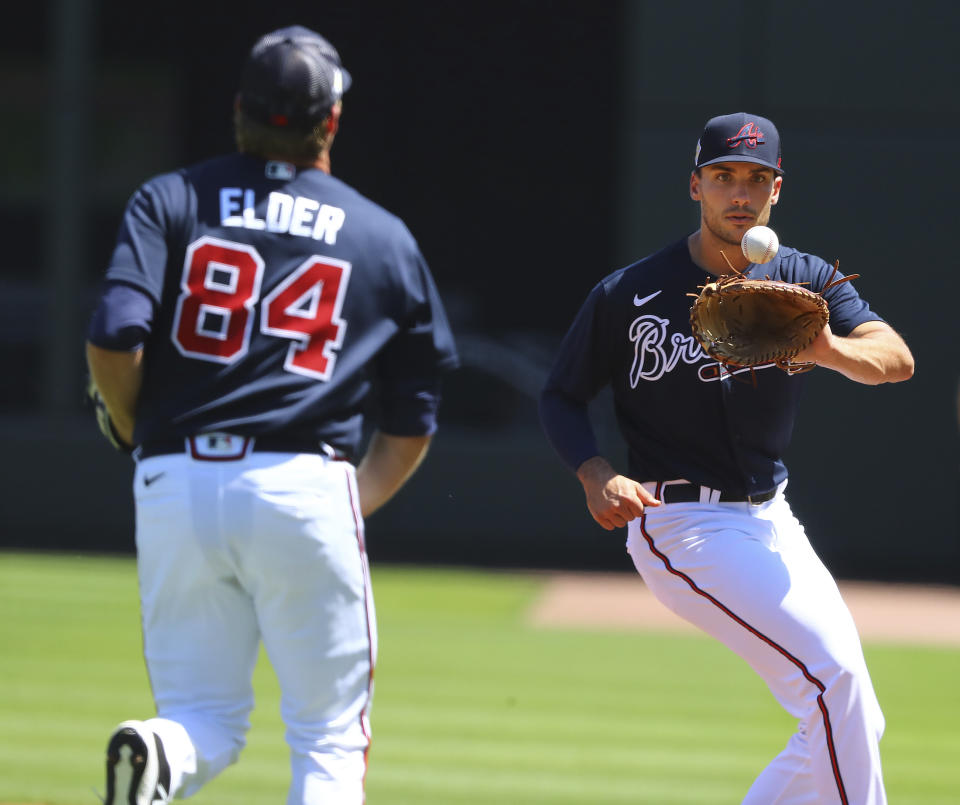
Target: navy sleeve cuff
pixel 567 425
pixel 410 414
pixel 122 319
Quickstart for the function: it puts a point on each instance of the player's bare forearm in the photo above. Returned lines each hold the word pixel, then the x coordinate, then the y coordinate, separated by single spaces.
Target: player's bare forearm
pixel 118 376
pixel 387 465
pixel 873 353
pixel 612 499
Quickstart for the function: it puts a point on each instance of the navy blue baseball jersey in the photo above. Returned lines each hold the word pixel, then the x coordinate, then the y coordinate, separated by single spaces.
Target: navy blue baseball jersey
pixel 681 414
pixel 281 297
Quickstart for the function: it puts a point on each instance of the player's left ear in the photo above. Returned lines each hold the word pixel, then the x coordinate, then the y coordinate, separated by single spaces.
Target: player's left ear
pixel 333 119
pixel 695 185
pixel 775 193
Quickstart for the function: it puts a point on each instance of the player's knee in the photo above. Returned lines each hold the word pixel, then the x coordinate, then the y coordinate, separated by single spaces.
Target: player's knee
pixel 848 690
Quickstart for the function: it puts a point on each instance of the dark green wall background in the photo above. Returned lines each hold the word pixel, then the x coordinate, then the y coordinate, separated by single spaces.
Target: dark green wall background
pixel 532 147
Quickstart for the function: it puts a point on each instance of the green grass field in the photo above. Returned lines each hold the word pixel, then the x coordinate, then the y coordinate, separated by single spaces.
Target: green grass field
pixel 472 705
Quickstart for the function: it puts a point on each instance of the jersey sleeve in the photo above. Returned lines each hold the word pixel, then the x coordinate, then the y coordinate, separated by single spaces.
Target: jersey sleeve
pixel 143 241
pixel 848 310
pixel 580 370
pixel 122 319
pixel 408 370
pixel 582 366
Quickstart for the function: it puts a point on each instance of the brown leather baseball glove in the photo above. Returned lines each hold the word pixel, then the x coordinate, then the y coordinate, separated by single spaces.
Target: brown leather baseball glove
pixel 743 322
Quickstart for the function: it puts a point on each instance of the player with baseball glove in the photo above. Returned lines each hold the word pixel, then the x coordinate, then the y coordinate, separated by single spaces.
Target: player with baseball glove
pixel 710 529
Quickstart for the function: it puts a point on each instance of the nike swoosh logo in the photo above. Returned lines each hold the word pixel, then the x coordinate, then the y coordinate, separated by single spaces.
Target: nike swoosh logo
pixel 638 301
pixel 149 479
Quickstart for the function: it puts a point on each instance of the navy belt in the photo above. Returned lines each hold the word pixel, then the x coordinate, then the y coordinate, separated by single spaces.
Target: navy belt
pixel 231 447
pixel 690 493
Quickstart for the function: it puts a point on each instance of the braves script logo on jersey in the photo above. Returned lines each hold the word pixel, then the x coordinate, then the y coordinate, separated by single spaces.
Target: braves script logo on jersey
pixel 652 358
pixel 656 352
pixel 749 135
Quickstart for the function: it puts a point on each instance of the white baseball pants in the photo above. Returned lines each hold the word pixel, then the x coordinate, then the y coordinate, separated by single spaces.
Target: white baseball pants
pixel 268 547
pixel 747 575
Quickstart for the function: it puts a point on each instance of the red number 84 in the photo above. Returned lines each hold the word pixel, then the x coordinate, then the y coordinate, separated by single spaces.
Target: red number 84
pixel 220 288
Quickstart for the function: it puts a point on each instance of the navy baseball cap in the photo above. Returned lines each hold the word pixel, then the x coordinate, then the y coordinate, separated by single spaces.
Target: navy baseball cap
pixel 739 137
pixel 292 77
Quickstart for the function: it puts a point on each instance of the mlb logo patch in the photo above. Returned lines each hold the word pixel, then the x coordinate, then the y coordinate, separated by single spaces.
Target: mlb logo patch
pixel 280 170
pixel 216 446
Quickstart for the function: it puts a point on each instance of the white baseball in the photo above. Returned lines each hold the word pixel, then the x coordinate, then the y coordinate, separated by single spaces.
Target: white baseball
pixel 760 244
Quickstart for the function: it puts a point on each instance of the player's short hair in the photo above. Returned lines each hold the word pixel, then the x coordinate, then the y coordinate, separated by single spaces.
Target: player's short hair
pixel 300 146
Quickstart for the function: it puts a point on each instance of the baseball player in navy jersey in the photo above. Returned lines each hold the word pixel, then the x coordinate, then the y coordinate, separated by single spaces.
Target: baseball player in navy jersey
pixel 708 525
pixel 253 307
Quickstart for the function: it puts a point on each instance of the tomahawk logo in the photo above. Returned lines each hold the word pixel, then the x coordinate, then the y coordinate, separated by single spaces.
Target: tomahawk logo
pixel 749 135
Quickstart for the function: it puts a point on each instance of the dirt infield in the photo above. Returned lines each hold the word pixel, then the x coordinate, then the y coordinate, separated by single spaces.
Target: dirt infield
pixel 902 613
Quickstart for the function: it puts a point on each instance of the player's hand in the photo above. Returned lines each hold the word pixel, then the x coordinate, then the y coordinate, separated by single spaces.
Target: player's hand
pixel 819 350
pixel 612 499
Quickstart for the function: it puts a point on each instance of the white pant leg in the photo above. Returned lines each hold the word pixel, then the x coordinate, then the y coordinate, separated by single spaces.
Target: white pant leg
pixel 199 628
pixel 788 778
pixel 306 568
pixel 747 576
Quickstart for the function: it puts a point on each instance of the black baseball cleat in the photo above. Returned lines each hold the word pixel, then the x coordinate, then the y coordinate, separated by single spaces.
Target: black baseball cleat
pixel 137 768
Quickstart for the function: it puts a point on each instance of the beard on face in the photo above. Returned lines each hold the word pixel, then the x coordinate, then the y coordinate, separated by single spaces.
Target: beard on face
pixel 719 228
